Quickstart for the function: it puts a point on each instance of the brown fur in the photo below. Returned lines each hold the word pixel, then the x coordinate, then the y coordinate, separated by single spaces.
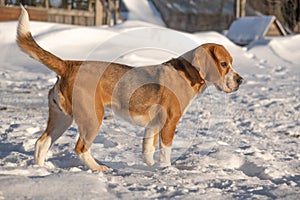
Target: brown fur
pixel 154 97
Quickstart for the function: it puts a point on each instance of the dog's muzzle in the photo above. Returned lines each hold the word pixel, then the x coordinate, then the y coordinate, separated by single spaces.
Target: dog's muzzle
pixel 239 80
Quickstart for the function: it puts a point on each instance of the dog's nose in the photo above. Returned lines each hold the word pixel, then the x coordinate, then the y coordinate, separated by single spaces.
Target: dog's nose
pixel 239 80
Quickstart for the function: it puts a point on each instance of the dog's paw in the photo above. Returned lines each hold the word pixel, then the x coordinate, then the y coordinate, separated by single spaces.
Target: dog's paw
pixel 101 168
pixel 148 158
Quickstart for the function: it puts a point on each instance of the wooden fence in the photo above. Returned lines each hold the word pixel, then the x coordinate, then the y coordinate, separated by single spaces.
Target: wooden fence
pixel 12 13
pixel 98 13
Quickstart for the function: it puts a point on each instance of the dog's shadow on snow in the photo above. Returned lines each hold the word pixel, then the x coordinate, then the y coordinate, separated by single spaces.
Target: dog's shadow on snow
pixel 124 167
pixel 67 160
pixel 7 148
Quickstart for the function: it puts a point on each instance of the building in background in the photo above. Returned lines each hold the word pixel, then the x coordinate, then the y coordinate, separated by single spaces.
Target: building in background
pixel 217 15
pixel 197 15
pixel 184 15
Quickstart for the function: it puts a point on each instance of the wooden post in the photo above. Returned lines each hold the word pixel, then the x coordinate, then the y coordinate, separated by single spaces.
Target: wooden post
pixel 237 8
pixel 243 8
pixel 104 7
pixel 297 30
pixel 108 13
pixel 116 11
pixel 240 8
pixel 90 7
pixel 47 4
pixel 98 13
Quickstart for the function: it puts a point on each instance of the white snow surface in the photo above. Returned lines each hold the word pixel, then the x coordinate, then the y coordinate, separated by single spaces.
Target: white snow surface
pixel 243 145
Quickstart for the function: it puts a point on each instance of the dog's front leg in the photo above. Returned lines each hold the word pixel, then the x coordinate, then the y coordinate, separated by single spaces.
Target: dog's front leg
pixel 165 154
pixel 86 157
pixel 165 143
pixel 88 128
pixel 149 143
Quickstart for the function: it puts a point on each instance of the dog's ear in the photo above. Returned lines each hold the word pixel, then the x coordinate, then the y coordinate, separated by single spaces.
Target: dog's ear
pixel 205 60
pixel 221 54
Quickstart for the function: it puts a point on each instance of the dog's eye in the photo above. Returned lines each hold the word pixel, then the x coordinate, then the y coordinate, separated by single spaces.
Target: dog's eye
pixel 223 64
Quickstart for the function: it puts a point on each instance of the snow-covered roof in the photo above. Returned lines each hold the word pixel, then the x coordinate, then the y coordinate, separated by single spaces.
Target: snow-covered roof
pixel 246 29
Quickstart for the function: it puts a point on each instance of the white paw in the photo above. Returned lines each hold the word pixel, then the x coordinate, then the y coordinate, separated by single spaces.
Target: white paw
pixel 100 168
pixel 165 154
pixel 148 158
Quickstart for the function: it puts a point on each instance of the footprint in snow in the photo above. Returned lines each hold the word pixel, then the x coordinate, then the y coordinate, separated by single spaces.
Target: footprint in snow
pixel 280 70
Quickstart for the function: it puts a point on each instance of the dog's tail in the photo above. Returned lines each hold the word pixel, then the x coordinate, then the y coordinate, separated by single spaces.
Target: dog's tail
pixel 29 46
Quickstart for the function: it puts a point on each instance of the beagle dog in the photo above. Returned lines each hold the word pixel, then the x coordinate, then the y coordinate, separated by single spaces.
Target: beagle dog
pixel 153 97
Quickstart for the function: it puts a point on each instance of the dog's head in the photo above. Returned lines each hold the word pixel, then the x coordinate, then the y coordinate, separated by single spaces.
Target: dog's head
pixel 215 65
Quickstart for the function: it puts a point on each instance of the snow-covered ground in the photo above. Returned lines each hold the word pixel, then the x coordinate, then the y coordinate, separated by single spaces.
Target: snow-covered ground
pixel 237 146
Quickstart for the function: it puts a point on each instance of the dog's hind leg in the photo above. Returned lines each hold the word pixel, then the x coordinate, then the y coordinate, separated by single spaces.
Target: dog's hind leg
pixel 88 128
pixel 58 123
pixel 149 143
